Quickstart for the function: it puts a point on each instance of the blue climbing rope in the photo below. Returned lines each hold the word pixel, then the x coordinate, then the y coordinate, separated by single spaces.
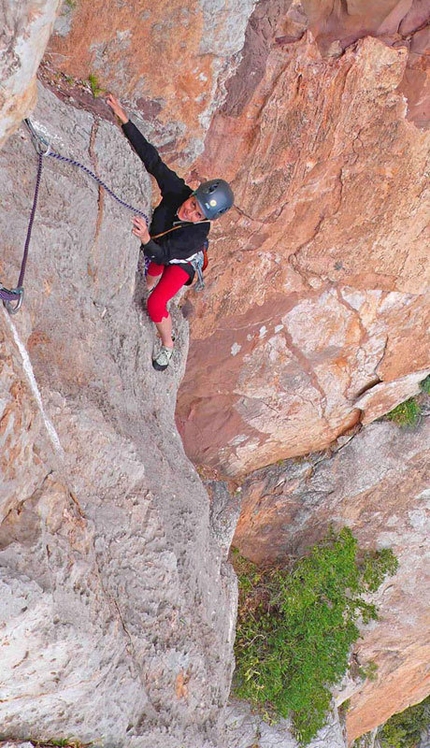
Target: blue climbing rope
pixel 99 181
pixel 13 298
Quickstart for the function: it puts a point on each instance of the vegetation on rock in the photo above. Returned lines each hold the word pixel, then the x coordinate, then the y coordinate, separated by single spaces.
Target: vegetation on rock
pixel 409 412
pixel 425 385
pixel 296 625
pixel 406 413
pixel 403 730
pixel 95 87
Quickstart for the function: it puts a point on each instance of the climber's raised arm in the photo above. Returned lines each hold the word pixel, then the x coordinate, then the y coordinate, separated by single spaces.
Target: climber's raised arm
pixel 167 179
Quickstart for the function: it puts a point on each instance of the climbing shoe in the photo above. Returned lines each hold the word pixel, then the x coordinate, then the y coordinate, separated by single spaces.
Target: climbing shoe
pixel 162 361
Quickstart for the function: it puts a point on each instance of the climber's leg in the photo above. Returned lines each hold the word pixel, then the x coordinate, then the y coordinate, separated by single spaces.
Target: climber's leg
pixel 172 279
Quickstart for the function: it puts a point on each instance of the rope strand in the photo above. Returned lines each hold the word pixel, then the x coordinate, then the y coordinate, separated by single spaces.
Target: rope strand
pixel 15 295
pixel 99 181
pixel 31 221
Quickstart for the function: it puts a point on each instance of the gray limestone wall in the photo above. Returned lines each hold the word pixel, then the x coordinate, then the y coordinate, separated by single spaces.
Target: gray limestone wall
pixel 117 604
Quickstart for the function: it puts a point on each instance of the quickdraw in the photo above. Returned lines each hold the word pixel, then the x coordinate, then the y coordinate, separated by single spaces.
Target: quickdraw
pixel 13 298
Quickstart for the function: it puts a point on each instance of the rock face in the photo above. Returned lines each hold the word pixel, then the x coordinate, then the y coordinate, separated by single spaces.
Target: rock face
pixel 117 607
pixel 245 728
pixel 170 60
pixel 319 289
pixel 25 30
pixel 377 484
pixel 115 593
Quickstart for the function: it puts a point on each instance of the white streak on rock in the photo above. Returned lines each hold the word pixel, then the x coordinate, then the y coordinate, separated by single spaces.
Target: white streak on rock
pixel 53 436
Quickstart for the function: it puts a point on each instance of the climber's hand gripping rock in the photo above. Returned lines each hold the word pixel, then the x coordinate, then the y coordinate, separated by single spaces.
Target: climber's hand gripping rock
pixel 140 229
pixel 117 109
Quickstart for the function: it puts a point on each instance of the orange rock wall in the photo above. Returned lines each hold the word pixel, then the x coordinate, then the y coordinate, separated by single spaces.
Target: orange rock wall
pixel 165 59
pixel 316 312
pixel 318 292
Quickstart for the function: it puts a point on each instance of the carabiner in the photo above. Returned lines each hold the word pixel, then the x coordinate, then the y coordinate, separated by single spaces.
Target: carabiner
pixel 41 145
pixel 8 304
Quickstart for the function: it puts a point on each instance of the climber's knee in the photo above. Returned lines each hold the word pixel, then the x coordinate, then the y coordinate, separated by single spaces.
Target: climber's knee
pixel 157 306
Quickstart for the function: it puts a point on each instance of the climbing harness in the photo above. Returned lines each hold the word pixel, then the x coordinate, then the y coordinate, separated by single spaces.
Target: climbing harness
pixel 199 260
pixel 13 298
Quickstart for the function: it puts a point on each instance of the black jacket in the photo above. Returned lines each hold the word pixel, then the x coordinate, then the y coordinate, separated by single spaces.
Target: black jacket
pixel 190 237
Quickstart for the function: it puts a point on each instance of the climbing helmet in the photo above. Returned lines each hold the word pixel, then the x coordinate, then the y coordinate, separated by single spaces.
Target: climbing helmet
pixel 215 197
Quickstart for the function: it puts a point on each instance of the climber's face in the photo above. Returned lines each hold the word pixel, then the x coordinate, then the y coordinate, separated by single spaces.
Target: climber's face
pixel 191 211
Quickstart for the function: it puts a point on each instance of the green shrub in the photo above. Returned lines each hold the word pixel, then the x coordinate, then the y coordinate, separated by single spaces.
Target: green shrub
pixel 406 414
pixel 96 90
pixel 296 627
pixel 425 385
pixel 404 730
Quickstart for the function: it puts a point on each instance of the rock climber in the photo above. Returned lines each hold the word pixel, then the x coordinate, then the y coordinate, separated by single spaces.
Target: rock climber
pixel 179 227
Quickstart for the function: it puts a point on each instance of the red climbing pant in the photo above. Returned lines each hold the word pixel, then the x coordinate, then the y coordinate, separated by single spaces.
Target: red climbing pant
pixel 173 277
